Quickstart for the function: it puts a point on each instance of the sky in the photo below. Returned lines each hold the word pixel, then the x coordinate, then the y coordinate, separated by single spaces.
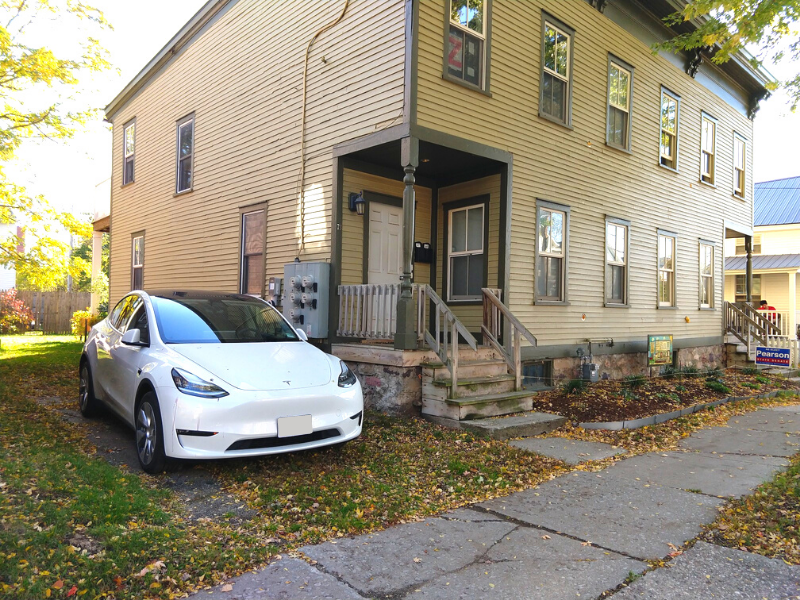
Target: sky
pixel 68 173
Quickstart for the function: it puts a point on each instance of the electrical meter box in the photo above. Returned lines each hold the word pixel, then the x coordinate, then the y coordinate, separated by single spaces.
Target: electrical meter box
pixel 305 297
pixel 590 372
pixel 274 291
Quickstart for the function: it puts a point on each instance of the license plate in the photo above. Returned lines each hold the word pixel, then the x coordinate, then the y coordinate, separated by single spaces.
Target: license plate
pixel 292 426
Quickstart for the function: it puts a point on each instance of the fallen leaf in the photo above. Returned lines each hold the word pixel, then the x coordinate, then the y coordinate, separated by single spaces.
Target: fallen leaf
pixel 226 588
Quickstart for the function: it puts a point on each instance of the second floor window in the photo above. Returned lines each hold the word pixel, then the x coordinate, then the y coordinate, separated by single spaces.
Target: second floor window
pixel 129 148
pixel 556 66
pixel 185 167
pixel 551 255
pixel 619 105
pixel 137 263
pixel 708 149
pixel 739 165
pixel 467 41
pixel 669 130
pixel 666 270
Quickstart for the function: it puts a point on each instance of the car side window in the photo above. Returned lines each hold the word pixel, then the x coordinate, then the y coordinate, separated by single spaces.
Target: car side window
pixel 128 306
pixel 113 319
pixel 139 321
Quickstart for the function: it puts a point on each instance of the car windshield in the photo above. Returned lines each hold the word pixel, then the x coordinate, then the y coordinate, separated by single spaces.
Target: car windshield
pixel 215 320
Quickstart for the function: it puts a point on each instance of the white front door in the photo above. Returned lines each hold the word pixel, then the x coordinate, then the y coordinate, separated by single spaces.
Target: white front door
pixel 385 243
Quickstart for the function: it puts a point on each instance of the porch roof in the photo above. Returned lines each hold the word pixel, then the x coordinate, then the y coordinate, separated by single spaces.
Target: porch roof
pixel 763 262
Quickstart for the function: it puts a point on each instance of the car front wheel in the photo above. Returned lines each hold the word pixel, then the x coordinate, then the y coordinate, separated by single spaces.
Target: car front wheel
pixel 87 402
pixel 150 435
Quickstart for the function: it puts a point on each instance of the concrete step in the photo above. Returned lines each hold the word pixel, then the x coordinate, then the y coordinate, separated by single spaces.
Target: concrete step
pixel 467 369
pixel 477 407
pixel 443 389
pixel 527 425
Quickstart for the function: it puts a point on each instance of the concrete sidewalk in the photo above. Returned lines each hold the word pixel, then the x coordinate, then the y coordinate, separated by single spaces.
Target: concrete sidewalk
pixel 574 537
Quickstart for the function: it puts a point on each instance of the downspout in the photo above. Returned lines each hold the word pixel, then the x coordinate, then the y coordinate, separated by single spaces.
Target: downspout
pixel 303 125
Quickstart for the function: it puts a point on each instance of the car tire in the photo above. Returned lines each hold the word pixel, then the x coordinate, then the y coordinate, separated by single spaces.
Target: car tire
pixel 149 435
pixel 88 404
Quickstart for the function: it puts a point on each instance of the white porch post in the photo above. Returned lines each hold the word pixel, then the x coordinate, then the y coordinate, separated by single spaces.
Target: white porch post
pixel 792 332
pixel 406 335
pixel 97 258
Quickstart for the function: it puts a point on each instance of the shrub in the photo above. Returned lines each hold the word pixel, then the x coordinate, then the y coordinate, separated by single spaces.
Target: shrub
pixel 680 388
pixel 750 371
pixel 15 317
pixel 690 371
pixel 763 380
pixel 574 386
pixel 635 381
pixel 718 386
pixel 715 373
pixel 79 321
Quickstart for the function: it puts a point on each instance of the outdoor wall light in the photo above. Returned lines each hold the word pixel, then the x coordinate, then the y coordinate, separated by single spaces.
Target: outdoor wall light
pixel 357 202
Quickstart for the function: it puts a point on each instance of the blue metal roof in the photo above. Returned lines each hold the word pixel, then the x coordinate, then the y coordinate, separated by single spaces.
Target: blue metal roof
pixel 763 261
pixel 777 202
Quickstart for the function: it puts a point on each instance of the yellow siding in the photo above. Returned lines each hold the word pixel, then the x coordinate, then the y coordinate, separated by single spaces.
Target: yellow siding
pixel 470 315
pixel 576 168
pixel 353 225
pixel 243 80
pixel 783 240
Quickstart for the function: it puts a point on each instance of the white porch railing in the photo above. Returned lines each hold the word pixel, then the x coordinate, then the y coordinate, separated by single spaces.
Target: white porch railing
pixel 782 321
pixel 791 343
pixel 369 311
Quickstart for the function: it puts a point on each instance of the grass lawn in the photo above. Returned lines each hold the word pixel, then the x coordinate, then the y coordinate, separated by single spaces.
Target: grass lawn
pixel 72 525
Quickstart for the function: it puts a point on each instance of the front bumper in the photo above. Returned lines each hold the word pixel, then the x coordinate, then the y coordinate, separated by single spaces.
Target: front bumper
pixel 246 423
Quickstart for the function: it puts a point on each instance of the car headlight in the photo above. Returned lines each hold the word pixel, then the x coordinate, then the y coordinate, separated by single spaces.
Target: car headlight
pixel 194 386
pixel 346 378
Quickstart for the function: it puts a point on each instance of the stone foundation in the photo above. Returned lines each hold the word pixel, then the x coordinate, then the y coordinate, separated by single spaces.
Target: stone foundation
pixel 617 366
pixel 388 389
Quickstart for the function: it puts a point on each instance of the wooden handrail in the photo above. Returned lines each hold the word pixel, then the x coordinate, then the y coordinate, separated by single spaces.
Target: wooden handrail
pixel 493 312
pixel 445 322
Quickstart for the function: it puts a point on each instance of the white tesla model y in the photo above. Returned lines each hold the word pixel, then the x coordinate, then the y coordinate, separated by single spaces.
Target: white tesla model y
pixel 208 375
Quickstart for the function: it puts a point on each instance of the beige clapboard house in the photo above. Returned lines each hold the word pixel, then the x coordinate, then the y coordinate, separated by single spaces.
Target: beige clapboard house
pixel 565 183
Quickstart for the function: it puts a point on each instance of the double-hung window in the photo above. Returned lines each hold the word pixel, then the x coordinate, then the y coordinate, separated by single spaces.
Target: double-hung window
pixel 467 40
pixel 466 259
pixel 556 93
pixel 253 265
pixel 128 153
pixel 551 253
pixel 669 129
pixel 706 275
pixel 708 148
pixel 616 262
pixel 741 288
pixel 620 85
pixel 739 165
pixel 137 262
pixel 666 270
pixel 185 166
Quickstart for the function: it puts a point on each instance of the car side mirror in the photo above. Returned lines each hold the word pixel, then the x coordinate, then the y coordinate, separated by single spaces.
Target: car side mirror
pixel 132 337
pixel 302 335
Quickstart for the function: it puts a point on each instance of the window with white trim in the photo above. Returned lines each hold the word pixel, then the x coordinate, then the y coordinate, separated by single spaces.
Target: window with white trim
pixel 128 153
pixel 551 254
pixel 706 275
pixel 620 80
pixel 556 64
pixel 666 270
pixel 616 263
pixel 137 262
pixel 185 167
pixel 253 248
pixel 466 52
pixel 708 149
pixel 739 165
pixel 669 130
pixel 466 260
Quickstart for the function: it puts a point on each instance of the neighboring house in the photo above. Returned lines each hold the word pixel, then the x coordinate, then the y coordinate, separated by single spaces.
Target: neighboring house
pixel 8 274
pixel 776 253
pixel 540 148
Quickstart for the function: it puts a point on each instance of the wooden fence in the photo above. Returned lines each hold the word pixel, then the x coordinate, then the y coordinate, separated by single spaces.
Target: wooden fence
pixel 52 311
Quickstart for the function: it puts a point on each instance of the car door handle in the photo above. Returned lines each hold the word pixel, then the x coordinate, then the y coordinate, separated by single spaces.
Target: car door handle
pixel 138 371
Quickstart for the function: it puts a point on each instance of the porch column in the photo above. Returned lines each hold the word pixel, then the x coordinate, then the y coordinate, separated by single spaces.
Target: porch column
pixel 97 254
pixel 405 337
pixel 748 248
pixel 792 316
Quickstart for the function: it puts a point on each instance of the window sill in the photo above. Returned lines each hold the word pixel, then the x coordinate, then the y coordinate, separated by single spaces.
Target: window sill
pixel 551 303
pixel 615 305
pixel 738 197
pixel 659 307
pixel 466 84
pixel 670 169
pixel 183 193
pixel 555 121
pixel 475 302
pixel 130 183
pixel 711 185
pixel 707 308
pixel 618 148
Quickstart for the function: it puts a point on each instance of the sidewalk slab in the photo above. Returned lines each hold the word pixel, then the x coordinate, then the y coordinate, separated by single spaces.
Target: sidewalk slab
pixel 525 565
pixel 407 555
pixel 286 579
pixel 732 440
pixel 709 571
pixel 612 511
pixel 765 420
pixel 714 474
pixel 504 428
pixel 571 452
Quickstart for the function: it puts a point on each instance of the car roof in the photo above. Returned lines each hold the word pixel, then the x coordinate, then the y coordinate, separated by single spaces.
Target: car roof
pixel 198 295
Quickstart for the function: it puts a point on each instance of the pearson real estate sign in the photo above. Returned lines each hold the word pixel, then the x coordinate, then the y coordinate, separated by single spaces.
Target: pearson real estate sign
pixel 775 357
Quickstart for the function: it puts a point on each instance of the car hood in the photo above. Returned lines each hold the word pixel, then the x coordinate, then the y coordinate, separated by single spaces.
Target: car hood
pixel 268 366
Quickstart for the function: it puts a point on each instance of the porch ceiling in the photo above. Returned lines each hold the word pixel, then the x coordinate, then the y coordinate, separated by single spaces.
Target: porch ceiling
pixel 437 163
